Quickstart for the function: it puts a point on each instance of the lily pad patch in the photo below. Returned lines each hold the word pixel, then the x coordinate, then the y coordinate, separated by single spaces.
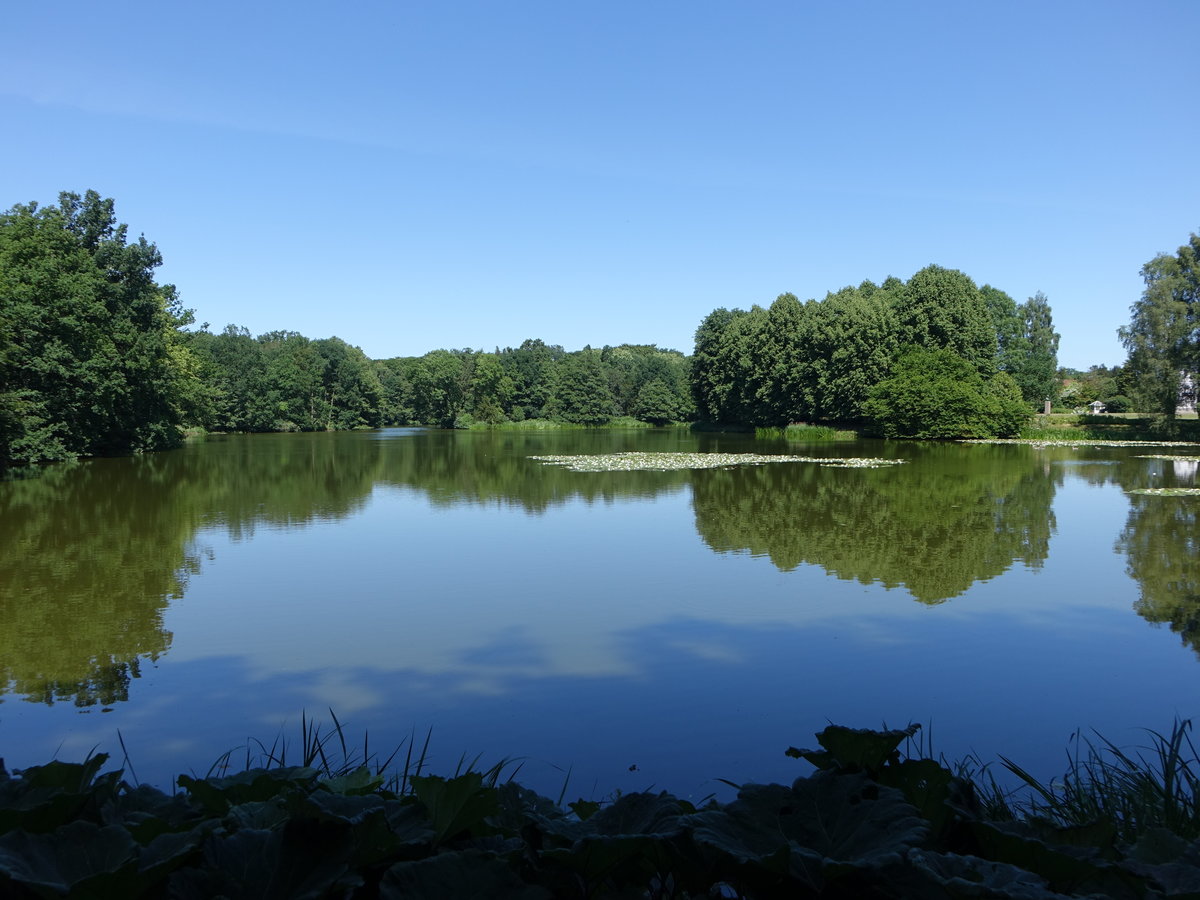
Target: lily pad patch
pixel 637 461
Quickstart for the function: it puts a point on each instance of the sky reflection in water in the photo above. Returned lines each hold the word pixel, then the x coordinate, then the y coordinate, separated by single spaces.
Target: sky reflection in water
pixel 691 625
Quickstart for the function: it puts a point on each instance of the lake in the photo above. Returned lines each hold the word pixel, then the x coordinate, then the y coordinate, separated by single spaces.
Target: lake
pixel 625 630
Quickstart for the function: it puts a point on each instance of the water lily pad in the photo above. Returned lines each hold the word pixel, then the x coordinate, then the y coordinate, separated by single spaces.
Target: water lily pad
pixel 669 462
pixel 1167 492
pixel 1077 442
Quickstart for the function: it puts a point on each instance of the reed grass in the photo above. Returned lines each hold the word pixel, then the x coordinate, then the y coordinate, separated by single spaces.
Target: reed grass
pixel 327 750
pixel 1135 791
pixel 799 432
pixel 1111 427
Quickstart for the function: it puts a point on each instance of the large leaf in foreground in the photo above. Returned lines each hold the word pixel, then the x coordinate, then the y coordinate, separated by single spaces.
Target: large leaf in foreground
pixel 304 860
pixel 855 748
pixel 969 876
pixel 72 855
pixel 467 875
pixel 455 805
pixel 820 828
pixel 254 785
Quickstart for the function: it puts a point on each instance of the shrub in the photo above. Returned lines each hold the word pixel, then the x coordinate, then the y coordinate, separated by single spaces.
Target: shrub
pixel 1118 403
pixel 936 394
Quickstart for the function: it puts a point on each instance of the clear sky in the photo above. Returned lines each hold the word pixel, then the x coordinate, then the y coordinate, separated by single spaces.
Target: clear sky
pixel 409 176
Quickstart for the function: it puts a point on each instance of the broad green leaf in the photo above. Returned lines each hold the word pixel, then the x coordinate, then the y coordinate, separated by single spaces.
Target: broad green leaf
pixel 219 794
pixel 522 812
pixel 43 798
pixel 927 786
pixel 71 777
pixel 148 812
pixel 304 860
pixel 257 815
pixel 360 781
pixel 408 822
pixel 584 809
pixel 350 809
pixel 856 748
pixel 970 876
pixel 1160 845
pixel 840 818
pixel 1063 872
pixel 73 853
pixel 466 875
pixel 636 815
pixel 457 804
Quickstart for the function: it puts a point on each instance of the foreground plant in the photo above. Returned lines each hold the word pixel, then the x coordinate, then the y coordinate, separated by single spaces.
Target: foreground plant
pixel 869 822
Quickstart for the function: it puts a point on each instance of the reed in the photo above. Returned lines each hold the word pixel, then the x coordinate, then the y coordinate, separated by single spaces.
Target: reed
pixel 800 432
pixel 1148 787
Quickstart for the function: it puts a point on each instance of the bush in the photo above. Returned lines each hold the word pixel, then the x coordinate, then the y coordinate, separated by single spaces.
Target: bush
pixel 936 394
pixel 1118 403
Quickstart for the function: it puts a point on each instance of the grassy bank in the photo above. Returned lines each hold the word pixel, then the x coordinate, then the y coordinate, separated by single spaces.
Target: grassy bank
pixel 1118 427
pixel 877 818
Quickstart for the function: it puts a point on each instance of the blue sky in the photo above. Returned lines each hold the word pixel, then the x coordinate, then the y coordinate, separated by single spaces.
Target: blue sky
pixel 414 176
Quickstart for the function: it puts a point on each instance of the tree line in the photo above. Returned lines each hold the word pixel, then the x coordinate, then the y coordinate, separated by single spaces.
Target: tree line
pixel 96 357
pixel 935 356
pixel 283 381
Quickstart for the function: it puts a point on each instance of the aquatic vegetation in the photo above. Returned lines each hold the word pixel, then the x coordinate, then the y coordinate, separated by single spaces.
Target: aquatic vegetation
pixel 872 820
pixel 1079 442
pixel 812 433
pixel 669 462
pixel 1169 456
pixel 1167 492
pixel 1134 792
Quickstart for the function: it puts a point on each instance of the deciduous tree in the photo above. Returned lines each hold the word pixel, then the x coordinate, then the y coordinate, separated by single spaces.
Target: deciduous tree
pixel 91 359
pixel 1163 336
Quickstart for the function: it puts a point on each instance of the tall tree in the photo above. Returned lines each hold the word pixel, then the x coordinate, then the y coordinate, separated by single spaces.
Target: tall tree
pixel 91 358
pixel 1036 372
pixel 583 395
pixel 707 377
pixel 855 337
pixel 942 309
pixel 1009 323
pixel 1163 336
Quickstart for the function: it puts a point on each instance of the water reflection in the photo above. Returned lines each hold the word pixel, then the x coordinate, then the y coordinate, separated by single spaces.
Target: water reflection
pixel 949 518
pixel 494 467
pixel 93 555
pixel 87 568
pixel 1161 542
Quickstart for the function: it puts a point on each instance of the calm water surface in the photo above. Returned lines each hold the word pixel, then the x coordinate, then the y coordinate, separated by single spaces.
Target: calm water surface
pixel 638 629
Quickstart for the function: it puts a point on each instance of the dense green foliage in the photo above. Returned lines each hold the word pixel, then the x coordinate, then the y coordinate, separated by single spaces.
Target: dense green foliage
pixel 95 361
pixel 933 394
pixel 1163 336
pixel 1101 383
pixel 282 381
pixel 91 361
pixel 455 388
pixel 825 361
pixel 869 822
